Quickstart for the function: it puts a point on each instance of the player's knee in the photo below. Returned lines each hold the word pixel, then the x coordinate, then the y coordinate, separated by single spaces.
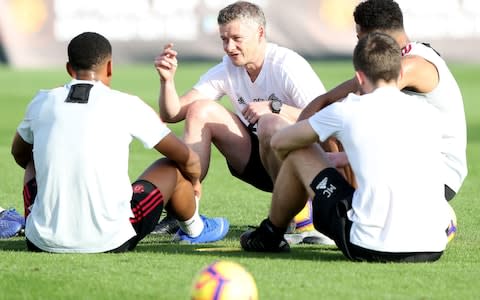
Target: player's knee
pixel 267 126
pixel 333 196
pixel 201 112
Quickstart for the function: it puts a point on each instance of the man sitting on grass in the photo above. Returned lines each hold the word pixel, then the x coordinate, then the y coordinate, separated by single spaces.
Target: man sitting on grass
pixel 398 212
pixel 74 144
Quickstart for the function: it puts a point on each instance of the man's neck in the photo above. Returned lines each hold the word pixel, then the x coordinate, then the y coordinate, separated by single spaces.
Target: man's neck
pixel 255 67
pixel 86 75
pixel 401 38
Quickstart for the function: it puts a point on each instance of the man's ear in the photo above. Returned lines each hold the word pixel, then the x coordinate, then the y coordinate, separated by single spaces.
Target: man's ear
pixel 360 78
pixel 261 32
pixel 70 70
pixel 109 68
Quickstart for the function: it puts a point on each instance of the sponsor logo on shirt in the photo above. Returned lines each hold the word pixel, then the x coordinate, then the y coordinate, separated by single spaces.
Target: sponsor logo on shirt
pixel 270 98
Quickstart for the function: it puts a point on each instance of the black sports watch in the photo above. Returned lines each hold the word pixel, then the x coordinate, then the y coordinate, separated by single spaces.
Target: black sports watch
pixel 275 105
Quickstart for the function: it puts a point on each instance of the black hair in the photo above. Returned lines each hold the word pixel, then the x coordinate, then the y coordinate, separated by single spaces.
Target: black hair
pixel 88 50
pixel 383 15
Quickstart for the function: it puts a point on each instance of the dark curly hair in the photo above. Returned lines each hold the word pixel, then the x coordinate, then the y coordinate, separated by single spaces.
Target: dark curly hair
pixel 88 50
pixel 384 15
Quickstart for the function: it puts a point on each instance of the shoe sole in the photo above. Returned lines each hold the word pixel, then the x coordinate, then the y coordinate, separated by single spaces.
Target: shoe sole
pixel 309 237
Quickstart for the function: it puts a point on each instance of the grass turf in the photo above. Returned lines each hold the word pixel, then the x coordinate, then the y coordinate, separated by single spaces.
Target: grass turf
pixel 159 269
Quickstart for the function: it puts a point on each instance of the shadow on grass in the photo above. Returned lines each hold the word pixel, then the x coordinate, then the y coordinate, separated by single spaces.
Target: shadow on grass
pixel 225 249
pixel 13 244
pixel 230 248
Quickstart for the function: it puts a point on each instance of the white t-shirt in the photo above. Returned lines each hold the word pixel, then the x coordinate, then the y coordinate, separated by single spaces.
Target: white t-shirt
pixel 284 74
pixel 391 140
pixel 81 155
pixel 447 98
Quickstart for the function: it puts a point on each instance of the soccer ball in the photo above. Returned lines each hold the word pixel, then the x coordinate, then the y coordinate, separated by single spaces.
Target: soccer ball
pixel 224 280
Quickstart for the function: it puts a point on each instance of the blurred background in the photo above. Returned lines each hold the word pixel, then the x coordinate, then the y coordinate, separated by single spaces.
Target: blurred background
pixel 34 33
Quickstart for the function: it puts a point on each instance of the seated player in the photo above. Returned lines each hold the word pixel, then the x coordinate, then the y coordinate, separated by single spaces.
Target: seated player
pixel 74 145
pixel 389 216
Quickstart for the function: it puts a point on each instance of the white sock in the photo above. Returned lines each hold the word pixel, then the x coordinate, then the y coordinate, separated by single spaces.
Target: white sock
pixel 1 209
pixel 193 226
pixel 197 203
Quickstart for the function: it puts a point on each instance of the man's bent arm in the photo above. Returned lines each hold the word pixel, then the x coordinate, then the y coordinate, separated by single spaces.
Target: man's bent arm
pixel 336 94
pixel 298 135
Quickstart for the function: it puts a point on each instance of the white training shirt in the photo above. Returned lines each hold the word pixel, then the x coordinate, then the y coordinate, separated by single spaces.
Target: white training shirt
pixel 447 98
pixel 391 140
pixel 81 159
pixel 284 74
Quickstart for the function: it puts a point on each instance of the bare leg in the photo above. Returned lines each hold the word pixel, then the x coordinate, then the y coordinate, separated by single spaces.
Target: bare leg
pixel 209 122
pixel 268 125
pixel 292 187
pixel 177 191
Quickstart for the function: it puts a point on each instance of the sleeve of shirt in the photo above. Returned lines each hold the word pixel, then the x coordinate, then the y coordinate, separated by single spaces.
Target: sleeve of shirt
pixel 25 128
pixel 212 83
pixel 25 131
pixel 146 125
pixel 328 121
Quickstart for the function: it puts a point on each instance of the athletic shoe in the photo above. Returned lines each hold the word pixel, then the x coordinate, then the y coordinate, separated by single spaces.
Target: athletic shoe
pixel 168 225
pixel 263 239
pixel 301 234
pixel 214 230
pixel 308 237
pixel 12 215
pixel 9 228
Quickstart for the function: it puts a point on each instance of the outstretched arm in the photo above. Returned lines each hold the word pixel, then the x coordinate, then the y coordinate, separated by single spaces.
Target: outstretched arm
pixel 336 94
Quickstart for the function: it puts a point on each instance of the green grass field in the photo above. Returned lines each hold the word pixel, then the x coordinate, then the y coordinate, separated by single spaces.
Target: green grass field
pixel 159 269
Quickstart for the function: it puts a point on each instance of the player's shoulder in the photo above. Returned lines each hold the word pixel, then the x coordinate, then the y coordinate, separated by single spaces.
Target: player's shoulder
pixel 286 62
pixel 44 94
pixel 420 49
pixel 279 54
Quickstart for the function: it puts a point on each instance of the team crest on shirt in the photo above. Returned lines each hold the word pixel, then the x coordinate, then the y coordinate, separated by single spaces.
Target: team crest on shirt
pixel 241 101
pixel 138 188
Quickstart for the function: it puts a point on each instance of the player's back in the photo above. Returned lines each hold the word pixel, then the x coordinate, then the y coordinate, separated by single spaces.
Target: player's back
pixel 398 182
pixel 447 98
pixel 81 146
